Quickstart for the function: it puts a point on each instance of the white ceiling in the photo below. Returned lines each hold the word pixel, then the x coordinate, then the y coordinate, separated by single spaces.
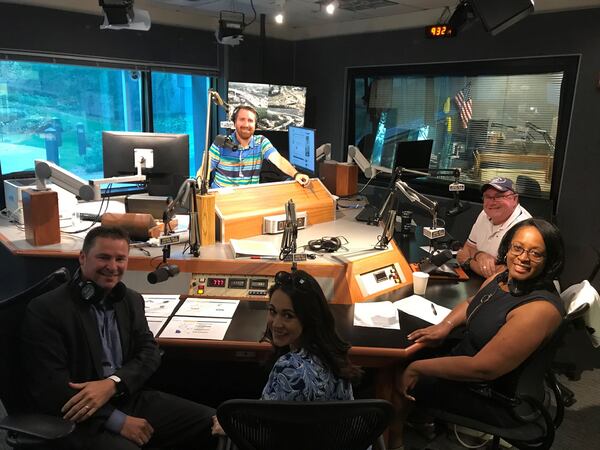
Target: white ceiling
pixel 305 19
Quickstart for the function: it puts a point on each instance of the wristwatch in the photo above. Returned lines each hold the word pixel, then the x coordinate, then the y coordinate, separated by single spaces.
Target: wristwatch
pixel 119 385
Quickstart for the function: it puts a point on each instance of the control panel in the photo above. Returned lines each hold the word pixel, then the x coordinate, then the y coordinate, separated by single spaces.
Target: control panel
pixel 239 286
pixel 380 279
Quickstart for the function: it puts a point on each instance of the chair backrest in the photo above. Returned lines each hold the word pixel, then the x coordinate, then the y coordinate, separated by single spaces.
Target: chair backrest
pixel 12 311
pixel 277 425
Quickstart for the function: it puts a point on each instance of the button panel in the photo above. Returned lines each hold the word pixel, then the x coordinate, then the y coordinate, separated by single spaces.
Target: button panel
pixel 255 287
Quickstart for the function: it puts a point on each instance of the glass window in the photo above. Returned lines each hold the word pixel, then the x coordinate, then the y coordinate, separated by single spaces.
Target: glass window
pixel 487 125
pixel 179 106
pixel 57 112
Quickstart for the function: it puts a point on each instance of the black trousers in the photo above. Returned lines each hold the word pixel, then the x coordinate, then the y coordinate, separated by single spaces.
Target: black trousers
pixel 178 424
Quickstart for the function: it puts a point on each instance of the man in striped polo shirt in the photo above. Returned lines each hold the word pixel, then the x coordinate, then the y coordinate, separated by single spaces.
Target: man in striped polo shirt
pixel 242 166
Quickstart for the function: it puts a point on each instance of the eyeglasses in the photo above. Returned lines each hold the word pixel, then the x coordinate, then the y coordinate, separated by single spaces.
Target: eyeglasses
pixel 491 198
pixel 283 278
pixel 534 255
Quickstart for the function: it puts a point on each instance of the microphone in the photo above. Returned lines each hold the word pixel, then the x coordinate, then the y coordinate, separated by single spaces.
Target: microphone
pixel 457 209
pixel 218 100
pixel 225 141
pixel 437 265
pixel 388 230
pixel 163 273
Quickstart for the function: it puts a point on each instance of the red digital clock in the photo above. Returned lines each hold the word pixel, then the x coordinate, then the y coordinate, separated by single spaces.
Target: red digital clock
pixel 440 31
pixel 216 282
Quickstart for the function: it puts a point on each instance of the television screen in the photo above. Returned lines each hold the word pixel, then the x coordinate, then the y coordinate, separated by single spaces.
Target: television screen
pixel 302 149
pixel 278 106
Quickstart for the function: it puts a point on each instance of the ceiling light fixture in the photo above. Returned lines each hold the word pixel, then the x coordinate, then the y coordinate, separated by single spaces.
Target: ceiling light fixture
pixel 331 7
pixel 279 17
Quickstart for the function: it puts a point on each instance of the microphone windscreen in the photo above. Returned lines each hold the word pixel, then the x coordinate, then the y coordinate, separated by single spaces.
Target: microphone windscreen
pixel 220 140
pixel 157 276
pixel 441 258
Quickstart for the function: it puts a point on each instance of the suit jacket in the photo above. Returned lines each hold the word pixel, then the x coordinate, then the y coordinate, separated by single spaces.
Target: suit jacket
pixel 61 343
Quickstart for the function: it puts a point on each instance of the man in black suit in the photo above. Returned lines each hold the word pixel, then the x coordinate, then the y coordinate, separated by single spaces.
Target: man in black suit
pixel 88 353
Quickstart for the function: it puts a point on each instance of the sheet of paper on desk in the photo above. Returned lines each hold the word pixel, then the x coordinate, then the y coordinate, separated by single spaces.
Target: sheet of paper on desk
pixel 376 315
pixel 208 307
pixel 160 305
pixel 180 327
pixel 245 248
pixel 155 324
pixel 420 307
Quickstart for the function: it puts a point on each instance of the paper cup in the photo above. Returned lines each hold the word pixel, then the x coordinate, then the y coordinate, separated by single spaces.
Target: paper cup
pixel 420 282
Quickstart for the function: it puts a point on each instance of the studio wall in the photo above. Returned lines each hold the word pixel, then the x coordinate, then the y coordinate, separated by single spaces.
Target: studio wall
pixel 321 65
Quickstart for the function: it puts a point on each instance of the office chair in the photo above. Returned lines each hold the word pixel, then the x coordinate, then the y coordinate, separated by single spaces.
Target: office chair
pixel 24 430
pixel 528 186
pixel 537 413
pixel 330 425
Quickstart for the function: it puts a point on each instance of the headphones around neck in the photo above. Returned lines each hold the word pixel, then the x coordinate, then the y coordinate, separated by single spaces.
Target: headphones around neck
pixel 91 293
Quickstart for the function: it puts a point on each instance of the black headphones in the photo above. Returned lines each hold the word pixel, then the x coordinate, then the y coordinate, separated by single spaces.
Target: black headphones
pixel 325 244
pixel 90 292
pixel 246 107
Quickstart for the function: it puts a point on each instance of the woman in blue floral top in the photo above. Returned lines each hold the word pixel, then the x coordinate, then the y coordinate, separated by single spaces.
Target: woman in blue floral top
pixel 312 360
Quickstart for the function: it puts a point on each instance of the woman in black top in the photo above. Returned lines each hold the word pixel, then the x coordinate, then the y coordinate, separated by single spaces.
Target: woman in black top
pixel 510 317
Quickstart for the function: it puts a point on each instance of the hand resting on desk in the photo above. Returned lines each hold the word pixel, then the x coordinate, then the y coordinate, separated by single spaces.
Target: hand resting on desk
pixel 432 336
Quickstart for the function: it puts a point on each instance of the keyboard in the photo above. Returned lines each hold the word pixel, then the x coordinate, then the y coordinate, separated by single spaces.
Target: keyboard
pixel 367 214
pixel 88 217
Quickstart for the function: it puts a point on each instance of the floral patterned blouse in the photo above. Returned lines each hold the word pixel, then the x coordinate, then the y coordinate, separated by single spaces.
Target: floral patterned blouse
pixel 300 376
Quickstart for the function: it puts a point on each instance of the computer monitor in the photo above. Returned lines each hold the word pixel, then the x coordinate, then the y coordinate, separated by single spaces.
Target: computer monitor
pixel 302 149
pixel 414 155
pixel 170 152
pixel 409 155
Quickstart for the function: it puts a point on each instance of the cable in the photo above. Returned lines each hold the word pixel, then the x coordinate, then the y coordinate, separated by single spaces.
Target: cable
pixel 253 10
pixel 365 186
pixel 464 444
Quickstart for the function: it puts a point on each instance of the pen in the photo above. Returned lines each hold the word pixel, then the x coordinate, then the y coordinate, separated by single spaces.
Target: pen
pixel 433 309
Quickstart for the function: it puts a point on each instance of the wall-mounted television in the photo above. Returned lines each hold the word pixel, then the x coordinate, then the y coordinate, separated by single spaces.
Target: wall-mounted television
pixel 278 106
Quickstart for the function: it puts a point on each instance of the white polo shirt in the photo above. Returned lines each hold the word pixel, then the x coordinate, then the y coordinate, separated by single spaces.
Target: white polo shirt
pixel 486 236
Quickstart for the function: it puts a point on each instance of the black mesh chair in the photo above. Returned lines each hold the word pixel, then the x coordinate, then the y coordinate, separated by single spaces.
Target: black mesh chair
pixel 277 425
pixel 536 401
pixel 24 430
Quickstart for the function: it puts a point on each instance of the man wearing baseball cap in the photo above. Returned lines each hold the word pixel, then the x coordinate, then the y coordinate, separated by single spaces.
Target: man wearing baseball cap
pixel 501 210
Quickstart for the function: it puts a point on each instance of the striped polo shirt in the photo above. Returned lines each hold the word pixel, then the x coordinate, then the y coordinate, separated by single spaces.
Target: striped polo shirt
pixel 239 167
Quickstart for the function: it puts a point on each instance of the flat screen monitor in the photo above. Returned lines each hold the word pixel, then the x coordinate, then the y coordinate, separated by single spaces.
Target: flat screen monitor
pixel 278 106
pixel 170 153
pixel 302 149
pixel 408 154
pixel 414 155
pixel 497 15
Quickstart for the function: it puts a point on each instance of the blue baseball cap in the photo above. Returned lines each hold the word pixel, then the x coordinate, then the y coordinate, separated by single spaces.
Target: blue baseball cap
pixel 500 184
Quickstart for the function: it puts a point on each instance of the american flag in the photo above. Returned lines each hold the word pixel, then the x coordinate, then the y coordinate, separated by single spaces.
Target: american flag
pixel 465 104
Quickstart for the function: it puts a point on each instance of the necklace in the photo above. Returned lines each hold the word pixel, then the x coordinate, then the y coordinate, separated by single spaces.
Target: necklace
pixel 486 298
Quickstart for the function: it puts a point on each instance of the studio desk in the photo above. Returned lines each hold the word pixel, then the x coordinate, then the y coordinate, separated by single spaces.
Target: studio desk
pixel 346 276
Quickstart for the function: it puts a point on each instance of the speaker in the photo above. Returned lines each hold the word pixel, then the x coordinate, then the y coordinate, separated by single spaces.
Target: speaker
pixel 498 15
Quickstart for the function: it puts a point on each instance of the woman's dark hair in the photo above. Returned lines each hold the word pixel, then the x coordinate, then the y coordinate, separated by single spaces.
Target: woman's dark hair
pixel 555 251
pixel 318 325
